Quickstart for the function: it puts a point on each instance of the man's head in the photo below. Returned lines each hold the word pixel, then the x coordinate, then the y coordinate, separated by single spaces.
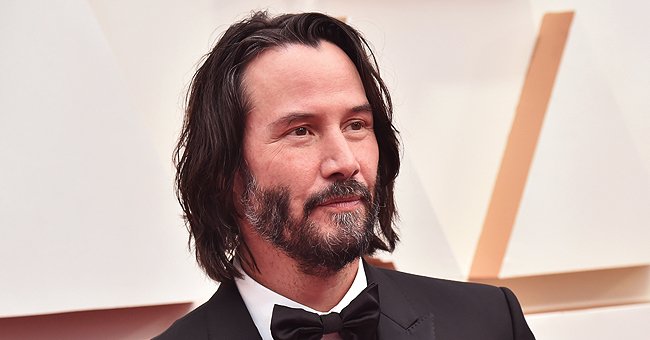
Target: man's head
pixel 289 133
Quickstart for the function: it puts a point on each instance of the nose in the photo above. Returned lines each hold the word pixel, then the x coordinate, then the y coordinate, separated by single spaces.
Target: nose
pixel 338 159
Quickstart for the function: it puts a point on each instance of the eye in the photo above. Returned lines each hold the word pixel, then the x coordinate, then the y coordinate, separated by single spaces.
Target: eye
pixel 357 125
pixel 300 131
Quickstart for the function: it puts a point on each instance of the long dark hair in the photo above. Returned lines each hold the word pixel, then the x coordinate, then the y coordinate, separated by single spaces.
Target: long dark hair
pixel 208 155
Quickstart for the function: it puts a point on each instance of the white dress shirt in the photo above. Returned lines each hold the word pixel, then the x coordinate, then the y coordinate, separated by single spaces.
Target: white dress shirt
pixel 260 300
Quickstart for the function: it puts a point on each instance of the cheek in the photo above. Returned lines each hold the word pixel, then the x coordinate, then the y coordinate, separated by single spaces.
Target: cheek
pixel 368 158
pixel 290 169
pixel 294 171
pixel 299 178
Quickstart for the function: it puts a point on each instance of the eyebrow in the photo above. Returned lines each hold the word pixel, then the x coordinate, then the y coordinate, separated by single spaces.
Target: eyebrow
pixel 289 118
pixel 362 108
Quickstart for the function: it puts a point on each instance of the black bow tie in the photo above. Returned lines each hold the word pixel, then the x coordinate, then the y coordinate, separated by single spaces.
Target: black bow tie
pixel 357 321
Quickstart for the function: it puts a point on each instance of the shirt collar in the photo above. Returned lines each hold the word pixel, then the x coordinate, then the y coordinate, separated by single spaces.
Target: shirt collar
pixel 260 300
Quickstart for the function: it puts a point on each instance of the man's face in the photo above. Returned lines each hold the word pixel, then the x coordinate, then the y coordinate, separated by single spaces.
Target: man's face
pixel 311 156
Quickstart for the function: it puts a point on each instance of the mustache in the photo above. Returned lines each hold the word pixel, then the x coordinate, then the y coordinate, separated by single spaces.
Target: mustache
pixel 349 187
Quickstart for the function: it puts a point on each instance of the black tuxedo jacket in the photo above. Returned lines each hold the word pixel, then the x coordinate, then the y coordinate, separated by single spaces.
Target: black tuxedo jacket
pixel 412 307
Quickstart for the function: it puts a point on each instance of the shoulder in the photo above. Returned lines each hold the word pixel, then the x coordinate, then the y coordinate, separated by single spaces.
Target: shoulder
pixel 435 288
pixel 489 309
pixel 224 316
pixel 191 326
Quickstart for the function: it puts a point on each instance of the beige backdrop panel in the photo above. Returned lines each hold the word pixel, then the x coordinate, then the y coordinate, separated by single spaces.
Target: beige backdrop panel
pixel 585 204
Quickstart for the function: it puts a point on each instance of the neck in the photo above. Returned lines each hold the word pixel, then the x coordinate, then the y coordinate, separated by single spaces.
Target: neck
pixel 281 274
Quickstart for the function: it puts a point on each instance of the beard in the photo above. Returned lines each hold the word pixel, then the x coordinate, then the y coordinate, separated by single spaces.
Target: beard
pixel 319 250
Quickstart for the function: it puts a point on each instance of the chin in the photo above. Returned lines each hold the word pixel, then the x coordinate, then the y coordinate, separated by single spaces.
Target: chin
pixel 324 271
pixel 320 252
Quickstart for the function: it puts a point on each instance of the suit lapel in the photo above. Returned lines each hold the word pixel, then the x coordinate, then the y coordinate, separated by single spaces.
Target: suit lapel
pixel 398 319
pixel 228 317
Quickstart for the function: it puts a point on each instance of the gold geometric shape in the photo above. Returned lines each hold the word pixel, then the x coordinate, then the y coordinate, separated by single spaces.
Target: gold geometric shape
pixel 142 322
pixel 579 290
pixel 521 144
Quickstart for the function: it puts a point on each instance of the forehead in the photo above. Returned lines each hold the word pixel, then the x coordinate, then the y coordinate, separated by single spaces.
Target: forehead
pixel 291 60
pixel 302 78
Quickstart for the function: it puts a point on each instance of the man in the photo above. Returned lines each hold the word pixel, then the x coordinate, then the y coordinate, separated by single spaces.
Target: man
pixel 286 168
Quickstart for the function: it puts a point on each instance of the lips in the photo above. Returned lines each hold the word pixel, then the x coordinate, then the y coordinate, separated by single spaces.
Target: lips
pixel 347 202
pixel 341 201
pixel 339 195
